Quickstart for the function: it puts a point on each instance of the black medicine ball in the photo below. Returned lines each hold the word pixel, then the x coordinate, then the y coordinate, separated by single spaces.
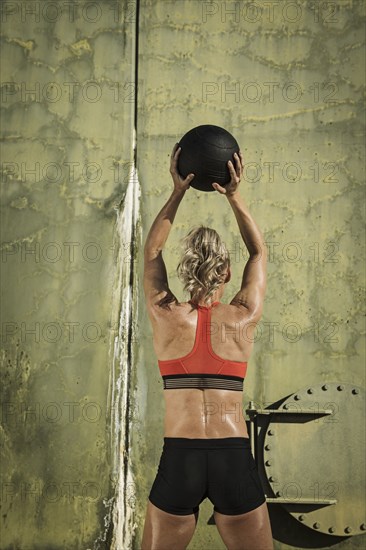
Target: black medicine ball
pixel 205 152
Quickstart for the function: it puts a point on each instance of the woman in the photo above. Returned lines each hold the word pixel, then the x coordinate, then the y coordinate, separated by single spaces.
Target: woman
pixel 206 449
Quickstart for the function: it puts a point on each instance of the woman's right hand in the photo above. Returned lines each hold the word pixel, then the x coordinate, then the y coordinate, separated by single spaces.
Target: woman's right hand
pixel 232 186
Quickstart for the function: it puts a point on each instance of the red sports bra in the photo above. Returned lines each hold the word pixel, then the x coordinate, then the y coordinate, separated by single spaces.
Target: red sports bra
pixel 201 368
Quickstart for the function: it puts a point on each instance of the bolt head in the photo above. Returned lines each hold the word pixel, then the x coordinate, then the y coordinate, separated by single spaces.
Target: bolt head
pixel 355 391
pixel 325 387
pixel 297 397
pixel 268 463
pixel 270 432
pixel 310 390
pixel 331 529
pixel 272 479
pixel 316 525
pixel 279 494
pixel 363 526
pixel 302 517
pixel 340 387
pixel 347 529
pixel 267 447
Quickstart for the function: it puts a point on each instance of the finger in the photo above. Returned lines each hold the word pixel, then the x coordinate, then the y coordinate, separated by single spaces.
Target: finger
pixel 174 161
pixel 232 171
pixel 237 164
pixel 241 158
pixel 240 168
pixel 176 155
pixel 189 178
pixel 218 188
pixel 174 150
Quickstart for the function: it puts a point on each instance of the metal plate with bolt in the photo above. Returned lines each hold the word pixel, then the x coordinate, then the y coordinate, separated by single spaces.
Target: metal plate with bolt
pixel 313 456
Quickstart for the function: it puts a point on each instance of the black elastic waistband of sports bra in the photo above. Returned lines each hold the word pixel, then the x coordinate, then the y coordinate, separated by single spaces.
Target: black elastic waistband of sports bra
pixel 214 443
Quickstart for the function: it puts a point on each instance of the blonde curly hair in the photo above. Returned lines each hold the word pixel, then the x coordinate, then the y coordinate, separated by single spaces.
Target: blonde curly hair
pixel 204 262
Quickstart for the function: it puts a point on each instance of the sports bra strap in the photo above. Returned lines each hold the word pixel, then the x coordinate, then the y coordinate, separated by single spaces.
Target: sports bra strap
pixel 204 307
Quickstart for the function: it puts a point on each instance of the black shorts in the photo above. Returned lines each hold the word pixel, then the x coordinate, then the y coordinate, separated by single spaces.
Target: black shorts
pixel 223 470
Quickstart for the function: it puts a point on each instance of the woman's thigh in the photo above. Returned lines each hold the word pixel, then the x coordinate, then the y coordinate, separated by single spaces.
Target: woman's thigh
pixel 164 531
pixel 249 531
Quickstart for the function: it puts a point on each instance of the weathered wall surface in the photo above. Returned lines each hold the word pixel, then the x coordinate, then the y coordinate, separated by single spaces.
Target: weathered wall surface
pixel 82 408
pixel 68 98
pixel 287 80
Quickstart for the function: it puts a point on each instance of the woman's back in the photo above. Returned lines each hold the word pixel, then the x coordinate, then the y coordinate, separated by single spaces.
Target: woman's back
pixel 231 332
pixel 203 412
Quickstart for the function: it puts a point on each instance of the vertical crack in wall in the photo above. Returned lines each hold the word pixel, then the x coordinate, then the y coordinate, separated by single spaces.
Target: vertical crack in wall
pixel 125 309
pixel 119 521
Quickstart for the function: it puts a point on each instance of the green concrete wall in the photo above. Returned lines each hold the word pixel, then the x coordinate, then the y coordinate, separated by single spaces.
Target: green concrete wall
pixel 291 93
pixel 82 411
pixel 59 449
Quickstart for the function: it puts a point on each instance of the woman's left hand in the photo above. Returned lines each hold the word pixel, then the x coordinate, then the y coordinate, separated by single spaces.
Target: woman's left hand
pixel 180 184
